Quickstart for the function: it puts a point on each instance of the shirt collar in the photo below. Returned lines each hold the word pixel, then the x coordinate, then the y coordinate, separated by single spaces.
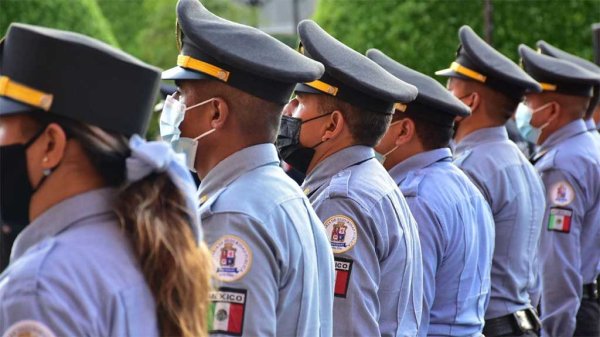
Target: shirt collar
pixel 62 215
pixel 485 135
pixel 335 163
pixel 234 166
pixel 419 161
pixel 590 124
pixel 572 129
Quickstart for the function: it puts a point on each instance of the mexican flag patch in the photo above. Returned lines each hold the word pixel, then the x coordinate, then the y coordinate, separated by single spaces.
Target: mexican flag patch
pixel 343 267
pixel 226 315
pixel 560 219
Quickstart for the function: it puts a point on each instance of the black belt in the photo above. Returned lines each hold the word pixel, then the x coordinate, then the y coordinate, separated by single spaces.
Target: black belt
pixel 512 324
pixel 590 291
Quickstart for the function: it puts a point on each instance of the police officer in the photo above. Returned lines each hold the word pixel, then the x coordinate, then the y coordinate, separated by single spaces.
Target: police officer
pixel 271 256
pixel 456 227
pixel 569 164
pixel 335 123
pixel 111 244
pixel 492 85
pixel 588 117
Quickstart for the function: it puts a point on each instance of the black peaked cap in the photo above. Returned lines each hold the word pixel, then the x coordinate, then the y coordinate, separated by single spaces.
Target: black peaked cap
pixel 75 76
pixel 238 55
pixel 349 75
pixel 434 102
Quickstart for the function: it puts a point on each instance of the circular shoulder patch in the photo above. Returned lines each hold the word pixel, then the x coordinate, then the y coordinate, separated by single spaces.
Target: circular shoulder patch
pixel 232 257
pixel 28 328
pixel 341 232
pixel 562 194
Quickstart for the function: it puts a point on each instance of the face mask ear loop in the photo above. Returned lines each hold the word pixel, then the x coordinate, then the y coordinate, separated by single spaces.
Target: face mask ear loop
pixel 199 104
pixel 205 134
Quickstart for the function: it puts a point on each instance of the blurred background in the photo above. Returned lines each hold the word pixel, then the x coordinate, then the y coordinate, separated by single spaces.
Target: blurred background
pixel 421 34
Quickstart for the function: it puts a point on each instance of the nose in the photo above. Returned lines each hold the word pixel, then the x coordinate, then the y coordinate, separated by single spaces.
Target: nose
pixel 289 108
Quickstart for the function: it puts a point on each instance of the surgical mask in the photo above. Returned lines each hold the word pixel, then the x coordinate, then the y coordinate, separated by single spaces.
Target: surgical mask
pixel 523 117
pixel 15 187
pixel 381 157
pixel 288 143
pixel 171 117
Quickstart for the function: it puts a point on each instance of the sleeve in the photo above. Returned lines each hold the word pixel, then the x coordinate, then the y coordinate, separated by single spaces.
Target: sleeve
pixel 354 241
pixel 432 248
pixel 38 313
pixel 561 258
pixel 247 264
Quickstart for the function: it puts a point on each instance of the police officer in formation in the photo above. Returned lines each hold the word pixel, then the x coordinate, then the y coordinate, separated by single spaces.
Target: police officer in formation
pixel 332 127
pixel 115 236
pixel 456 226
pixel 271 257
pixel 568 161
pixel 112 246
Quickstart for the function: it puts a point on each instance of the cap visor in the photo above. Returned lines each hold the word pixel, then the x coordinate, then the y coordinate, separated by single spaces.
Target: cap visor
pixel 305 89
pixel 10 107
pixel 179 73
pixel 451 73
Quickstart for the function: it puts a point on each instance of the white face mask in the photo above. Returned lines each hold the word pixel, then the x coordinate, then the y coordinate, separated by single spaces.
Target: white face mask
pixel 523 120
pixel 171 117
pixel 381 157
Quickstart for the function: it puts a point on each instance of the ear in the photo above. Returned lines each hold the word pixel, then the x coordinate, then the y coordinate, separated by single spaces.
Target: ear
pixel 52 144
pixel 473 101
pixel 335 125
pixel 406 131
pixel 219 112
pixel 555 109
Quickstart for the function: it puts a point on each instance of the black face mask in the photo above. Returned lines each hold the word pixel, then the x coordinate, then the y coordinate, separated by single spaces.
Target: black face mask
pixel 15 187
pixel 288 143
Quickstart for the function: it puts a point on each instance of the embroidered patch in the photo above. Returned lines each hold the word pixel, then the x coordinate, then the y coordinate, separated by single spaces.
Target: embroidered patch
pixel 560 219
pixel 28 328
pixel 226 315
pixel 562 193
pixel 342 233
pixel 232 256
pixel 343 268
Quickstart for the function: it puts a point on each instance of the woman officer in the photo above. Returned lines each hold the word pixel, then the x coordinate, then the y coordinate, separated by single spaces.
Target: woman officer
pixel 111 248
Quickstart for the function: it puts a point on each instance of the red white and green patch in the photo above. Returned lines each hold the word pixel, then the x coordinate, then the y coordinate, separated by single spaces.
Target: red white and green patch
pixel 560 219
pixel 226 315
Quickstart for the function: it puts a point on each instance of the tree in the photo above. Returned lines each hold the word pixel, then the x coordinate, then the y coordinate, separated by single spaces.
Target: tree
pixel 423 34
pixel 83 16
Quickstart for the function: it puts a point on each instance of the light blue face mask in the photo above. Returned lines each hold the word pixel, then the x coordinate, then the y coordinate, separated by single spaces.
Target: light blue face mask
pixel 523 120
pixel 381 157
pixel 171 117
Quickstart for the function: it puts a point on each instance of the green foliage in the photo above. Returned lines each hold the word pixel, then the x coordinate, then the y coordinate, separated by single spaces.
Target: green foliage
pixel 83 16
pixel 423 34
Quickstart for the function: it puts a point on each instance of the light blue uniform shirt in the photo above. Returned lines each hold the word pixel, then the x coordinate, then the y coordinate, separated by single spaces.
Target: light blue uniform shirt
pixel 74 271
pixel 591 127
pixel 570 244
pixel 273 259
pixel 456 229
pixel 379 276
pixel 515 193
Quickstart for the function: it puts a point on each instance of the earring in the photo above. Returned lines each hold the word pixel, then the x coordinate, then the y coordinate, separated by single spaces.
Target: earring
pixel 47 172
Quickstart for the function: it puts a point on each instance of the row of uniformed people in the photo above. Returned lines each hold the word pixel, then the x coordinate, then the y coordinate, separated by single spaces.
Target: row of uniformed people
pixel 272 254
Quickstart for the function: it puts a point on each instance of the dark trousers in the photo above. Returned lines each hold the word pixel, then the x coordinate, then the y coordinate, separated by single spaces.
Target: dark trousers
pixel 524 334
pixel 588 319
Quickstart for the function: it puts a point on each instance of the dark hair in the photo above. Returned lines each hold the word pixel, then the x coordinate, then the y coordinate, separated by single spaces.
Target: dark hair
pixel 152 214
pixel 367 127
pixel 431 135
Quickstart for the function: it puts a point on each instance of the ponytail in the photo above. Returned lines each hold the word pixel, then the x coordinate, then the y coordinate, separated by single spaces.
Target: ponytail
pixel 153 215
pixel 152 212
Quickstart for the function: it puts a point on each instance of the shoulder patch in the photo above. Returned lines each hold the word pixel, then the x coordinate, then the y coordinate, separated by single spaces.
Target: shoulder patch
pixel 561 193
pixel 559 219
pixel 28 328
pixel 226 314
pixel 343 269
pixel 232 257
pixel 342 233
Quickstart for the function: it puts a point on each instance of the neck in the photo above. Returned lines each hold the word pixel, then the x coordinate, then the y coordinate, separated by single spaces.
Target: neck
pixel 401 154
pixel 219 151
pixel 65 182
pixel 320 156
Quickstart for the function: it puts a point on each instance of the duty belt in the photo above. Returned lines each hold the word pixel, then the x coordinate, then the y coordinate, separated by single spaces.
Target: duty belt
pixel 590 291
pixel 512 324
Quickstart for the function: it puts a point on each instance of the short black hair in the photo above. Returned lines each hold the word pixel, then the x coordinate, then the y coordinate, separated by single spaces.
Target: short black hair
pixel 431 135
pixel 367 127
